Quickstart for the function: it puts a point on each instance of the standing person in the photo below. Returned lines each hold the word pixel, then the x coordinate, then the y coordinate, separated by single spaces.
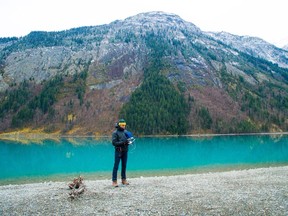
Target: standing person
pixel 120 142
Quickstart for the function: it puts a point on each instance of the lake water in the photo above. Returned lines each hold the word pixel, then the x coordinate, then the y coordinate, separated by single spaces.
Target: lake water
pixel 93 158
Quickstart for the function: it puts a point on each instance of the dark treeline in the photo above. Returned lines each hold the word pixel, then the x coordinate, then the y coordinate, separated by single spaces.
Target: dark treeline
pixel 22 102
pixel 43 101
pixel 157 107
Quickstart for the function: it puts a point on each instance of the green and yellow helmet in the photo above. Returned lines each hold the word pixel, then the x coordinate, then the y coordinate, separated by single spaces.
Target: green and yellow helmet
pixel 121 122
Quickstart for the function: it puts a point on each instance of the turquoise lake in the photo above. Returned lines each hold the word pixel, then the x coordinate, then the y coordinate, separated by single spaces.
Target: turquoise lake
pixel 149 156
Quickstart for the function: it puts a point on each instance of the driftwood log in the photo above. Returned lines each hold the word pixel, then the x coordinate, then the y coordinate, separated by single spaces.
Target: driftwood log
pixel 77 187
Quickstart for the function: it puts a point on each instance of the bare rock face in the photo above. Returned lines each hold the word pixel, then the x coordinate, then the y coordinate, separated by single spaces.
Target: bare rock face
pixel 122 48
pixel 254 46
pixel 37 64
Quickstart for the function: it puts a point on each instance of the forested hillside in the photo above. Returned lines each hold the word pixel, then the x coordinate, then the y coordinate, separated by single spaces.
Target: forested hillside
pixel 160 73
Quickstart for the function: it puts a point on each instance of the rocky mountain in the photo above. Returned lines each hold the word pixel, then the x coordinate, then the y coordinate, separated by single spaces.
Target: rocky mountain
pixel 79 81
pixel 254 46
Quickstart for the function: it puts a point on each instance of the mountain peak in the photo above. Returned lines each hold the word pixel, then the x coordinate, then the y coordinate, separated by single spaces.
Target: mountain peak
pixel 159 19
pixel 157 15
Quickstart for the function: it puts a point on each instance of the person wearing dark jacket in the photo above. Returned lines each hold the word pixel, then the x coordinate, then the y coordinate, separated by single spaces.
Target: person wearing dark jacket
pixel 120 142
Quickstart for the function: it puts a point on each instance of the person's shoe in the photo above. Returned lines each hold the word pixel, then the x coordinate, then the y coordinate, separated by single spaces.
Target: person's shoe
pixel 114 184
pixel 124 182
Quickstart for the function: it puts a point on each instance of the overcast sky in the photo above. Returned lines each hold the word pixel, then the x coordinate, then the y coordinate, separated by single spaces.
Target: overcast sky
pixel 266 19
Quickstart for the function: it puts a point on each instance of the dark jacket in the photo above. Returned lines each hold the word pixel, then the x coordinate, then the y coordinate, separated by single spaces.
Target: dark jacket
pixel 119 140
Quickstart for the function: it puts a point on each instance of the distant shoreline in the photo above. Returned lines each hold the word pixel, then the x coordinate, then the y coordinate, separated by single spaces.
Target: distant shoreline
pixel 208 135
pixel 27 138
pixel 33 135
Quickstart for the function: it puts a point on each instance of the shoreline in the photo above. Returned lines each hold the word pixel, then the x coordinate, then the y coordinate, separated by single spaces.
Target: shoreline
pixel 259 191
pixel 33 133
pixel 106 175
pixel 34 137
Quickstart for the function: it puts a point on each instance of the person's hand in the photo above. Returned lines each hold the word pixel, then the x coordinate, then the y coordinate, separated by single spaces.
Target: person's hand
pixel 126 142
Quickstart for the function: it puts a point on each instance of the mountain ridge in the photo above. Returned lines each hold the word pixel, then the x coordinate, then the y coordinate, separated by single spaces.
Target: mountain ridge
pixel 254 46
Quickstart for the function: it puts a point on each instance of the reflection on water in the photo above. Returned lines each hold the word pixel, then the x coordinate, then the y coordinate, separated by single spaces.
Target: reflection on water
pixel 69 157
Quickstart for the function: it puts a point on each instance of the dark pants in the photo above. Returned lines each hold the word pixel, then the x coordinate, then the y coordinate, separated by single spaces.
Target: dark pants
pixel 123 156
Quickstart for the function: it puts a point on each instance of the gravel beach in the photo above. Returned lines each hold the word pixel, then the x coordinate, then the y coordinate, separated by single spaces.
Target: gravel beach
pixel 261 191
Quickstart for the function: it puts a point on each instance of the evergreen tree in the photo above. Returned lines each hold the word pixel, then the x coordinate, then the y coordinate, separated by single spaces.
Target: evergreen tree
pixel 156 107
